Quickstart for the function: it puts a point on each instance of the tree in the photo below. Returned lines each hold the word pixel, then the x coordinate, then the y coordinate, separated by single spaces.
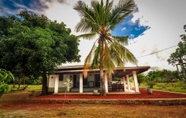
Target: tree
pixel 141 78
pixel 108 52
pixel 151 78
pixel 36 45
pixel 5 23
pixel 178 57
pixel 169 77
pixel 5 77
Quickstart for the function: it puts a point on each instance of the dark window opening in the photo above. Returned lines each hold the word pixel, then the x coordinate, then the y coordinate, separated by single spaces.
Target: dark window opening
pixel 85 81
pixel 60 77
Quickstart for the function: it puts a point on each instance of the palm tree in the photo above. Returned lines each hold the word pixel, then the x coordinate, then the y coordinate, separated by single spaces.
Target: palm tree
pixel 108 52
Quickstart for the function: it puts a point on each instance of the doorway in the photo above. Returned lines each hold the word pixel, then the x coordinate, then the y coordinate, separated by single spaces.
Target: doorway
pixel 97 80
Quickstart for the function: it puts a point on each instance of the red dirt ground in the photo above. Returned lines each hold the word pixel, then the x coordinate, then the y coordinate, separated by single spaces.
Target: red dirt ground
pixel 14 105
pixel 143 95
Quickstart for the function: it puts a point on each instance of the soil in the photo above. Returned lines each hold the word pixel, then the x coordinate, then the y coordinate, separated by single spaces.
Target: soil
pixel 116 95
pixel 14 105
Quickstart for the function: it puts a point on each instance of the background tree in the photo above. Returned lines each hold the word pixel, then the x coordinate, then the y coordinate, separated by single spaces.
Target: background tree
pixel 108 52
pixel 169 77
pixel 151 78
pixel 36 45
pixel 141 78
pixel 179 56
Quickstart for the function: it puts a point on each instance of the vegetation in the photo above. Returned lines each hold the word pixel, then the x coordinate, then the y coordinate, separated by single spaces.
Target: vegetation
pixel 108 52
pixel 34 46
pixel 5 77
pixel 165 80
pixel 178 58
pixel 161 79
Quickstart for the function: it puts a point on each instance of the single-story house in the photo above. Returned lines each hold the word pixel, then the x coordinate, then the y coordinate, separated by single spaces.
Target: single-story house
pixel 92 81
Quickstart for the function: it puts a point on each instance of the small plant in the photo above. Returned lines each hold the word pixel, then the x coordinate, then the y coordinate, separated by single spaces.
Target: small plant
pixel 151 83
pixel 68 83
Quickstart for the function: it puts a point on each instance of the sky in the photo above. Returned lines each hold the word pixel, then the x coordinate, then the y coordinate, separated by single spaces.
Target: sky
pixel 154 28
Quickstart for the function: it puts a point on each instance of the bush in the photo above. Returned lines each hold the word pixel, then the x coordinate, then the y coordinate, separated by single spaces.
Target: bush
pixel 3 88
pixel 151 84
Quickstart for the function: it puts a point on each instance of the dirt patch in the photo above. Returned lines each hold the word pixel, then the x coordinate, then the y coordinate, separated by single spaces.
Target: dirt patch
pixel 91 111
pixel 15 105
pixel 118 95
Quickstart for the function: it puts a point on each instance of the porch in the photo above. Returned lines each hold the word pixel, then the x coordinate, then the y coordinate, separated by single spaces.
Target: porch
pixel 92 81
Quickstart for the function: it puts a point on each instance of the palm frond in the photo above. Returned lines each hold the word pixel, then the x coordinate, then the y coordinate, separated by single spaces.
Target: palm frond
pixel 87 15
pixel 88 59
pixel 88 36
pixel 86 25
pixel 107 60
pixel 95 61
pixel 121 10
pixel 121 39
pixel 123 53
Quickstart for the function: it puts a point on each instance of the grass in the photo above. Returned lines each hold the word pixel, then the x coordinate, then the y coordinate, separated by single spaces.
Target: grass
pixel 29 88
pixel 34 87
pixel 173 87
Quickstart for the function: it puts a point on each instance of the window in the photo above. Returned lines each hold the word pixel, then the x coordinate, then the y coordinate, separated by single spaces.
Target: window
pixel 60 77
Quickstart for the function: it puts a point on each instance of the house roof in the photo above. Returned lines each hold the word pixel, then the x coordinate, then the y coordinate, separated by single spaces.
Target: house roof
pixel 118 72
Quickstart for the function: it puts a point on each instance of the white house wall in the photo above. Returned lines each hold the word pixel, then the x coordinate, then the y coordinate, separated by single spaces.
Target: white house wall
pixel 51 81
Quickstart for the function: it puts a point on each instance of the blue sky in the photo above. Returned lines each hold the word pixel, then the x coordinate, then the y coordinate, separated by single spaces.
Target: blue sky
pixel 155 25
pixel 126 28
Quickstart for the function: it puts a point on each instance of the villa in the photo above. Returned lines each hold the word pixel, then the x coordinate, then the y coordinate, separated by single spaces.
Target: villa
pixel 92 81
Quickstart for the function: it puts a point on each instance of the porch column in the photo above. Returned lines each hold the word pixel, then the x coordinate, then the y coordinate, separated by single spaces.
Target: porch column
pixel 128 82
pixel 56 83
pixel 106 83
pixel 81 83
pixel 135 81
pixel 124 84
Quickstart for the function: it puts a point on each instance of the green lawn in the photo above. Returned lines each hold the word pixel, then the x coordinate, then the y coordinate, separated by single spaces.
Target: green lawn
pixel 173 87
pixel 29 88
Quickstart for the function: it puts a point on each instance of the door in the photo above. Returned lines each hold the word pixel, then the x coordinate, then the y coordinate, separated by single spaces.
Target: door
pixel 85 81
pixel 74 81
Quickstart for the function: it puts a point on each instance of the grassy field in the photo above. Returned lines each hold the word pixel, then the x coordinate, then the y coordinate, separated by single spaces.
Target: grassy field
pixel 29 88
pixel 173 87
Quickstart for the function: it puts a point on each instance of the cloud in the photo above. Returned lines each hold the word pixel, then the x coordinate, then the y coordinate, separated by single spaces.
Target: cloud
pixel 42 5
pixel 130 27
pixel 13 7
pixel 166 26
pixel 123 28
pixel 155 25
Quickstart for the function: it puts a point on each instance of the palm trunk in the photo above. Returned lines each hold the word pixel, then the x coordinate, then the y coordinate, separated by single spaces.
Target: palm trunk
pixel 102 81
pixel 44 84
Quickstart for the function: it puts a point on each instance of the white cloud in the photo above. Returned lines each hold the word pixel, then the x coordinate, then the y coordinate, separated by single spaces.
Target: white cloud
pixel 166 19
pixel 123 29
pixel 65 13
